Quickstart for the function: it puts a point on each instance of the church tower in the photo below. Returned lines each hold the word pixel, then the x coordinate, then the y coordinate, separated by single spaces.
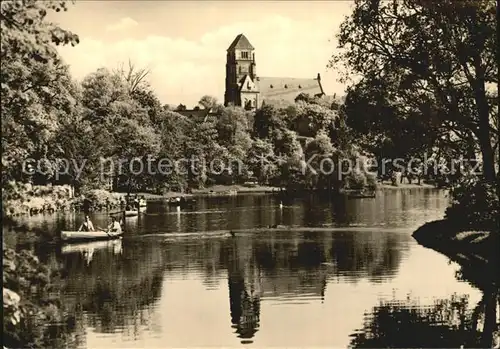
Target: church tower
pixel 241 75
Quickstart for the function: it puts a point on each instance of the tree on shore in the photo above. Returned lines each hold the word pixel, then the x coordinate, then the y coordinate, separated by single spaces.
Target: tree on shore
pixel 432 62
pixel 36 86
pixel 208 102
pixel 428 82
pixel 38 97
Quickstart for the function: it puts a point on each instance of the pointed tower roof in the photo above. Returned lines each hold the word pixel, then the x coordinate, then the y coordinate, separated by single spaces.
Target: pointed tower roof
pixel 241 42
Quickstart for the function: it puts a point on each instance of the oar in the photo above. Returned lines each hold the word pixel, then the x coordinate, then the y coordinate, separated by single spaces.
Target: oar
pixel 104 230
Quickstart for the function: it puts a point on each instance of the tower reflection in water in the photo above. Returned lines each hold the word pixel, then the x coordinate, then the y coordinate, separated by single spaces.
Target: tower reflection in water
pixel 244 297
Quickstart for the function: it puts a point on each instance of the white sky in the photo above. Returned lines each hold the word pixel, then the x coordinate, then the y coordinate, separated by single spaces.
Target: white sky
pixel 184 43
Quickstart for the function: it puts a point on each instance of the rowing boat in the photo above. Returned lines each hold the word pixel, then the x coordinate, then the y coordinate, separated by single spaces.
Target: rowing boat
pixel 73 236
pixel 129 213
pixel 181 202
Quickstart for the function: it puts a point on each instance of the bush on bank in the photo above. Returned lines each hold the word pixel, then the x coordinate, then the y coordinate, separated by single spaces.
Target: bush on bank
pixel 475 204
pixel 99 199
pixel 356 180
pixel 33 316
pixel 24 198
pixel 371 181
pixel 359 179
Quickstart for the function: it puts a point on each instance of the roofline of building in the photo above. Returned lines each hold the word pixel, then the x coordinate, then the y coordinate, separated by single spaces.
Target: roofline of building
pixel 236 41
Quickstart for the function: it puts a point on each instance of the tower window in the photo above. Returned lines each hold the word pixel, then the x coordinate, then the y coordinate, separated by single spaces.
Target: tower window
pixel 244 55
pixel 286 86
pixel 271 86
pixel 300 86
pixel 239 69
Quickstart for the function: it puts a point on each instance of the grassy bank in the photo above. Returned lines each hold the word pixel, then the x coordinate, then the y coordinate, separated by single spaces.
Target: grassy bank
pixel 41 199
pixel 446 237
pixel 213 190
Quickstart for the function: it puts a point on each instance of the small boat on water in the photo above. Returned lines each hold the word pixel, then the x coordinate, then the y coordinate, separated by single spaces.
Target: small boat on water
pixel 129 213
pixel 181 201
pixel 79 236
pixel 135 213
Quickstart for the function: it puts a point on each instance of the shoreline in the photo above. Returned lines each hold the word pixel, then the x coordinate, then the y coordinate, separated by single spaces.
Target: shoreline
pixel 230 190
pixel 213 191
pixel 389 186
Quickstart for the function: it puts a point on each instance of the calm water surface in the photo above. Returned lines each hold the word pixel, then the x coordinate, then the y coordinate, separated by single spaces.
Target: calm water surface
pixel 269 289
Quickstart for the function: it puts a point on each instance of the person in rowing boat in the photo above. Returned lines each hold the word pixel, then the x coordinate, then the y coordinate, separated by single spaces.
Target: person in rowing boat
pixel 115 226
pixel 87 225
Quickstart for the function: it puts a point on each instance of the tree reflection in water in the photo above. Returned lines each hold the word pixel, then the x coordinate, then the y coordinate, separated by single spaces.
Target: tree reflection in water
pixel 406 324
pixel 483 273
pixel 116 291
pixel 449 323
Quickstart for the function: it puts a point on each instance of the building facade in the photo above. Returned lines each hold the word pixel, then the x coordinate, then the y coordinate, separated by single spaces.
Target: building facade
pixel 247 90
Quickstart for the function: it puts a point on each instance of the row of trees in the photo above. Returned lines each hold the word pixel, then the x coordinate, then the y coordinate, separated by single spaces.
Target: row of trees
pixel 115 115
pixel 427 78
pixel 418 93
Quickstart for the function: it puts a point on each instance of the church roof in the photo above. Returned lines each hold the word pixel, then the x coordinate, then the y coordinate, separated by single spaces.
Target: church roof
pixel 241 42
pixel 246 84
pixel 287 89
pixel 194 113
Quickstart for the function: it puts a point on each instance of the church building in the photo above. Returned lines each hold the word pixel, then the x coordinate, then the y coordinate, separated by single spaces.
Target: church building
pixel 246 89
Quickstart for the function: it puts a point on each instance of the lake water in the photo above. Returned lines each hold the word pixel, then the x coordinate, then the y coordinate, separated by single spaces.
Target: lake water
pixel 360 284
